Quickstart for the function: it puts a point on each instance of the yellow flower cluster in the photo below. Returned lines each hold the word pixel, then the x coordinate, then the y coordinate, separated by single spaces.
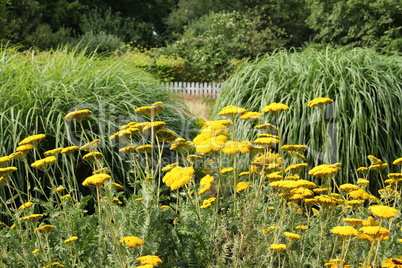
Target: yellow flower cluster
pixel 90 145
pixel 345 231
pixel 26 205
pixel 96 180
pixel 44 229
pixel 132 241
pixel 45 163
pixel 207 202
pixel 277 247
pixel 164 135
pixel 232 111
pixel 383 212
pixel 319 102
pixel 275 107
pixel 242 186
pixel 267 141
pixel 213 137
pixel 205 183
pixel 70 150
pixel 150 260
pixel 93 156
pixel 291 236
pixel 324 170
pixel 151 110
pixel 251 116
pixel 33 217
pixel 71 239
pixel 232 147
pixel 54 152
pixel 33 140
pixel 178 176
pixel 78 115
pixel 180 144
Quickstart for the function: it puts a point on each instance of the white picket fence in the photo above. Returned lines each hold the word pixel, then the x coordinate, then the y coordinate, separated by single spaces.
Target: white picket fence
pixel 195 88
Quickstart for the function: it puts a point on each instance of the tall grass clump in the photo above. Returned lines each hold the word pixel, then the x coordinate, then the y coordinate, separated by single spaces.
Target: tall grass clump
pixel 39 89
pixel 363 119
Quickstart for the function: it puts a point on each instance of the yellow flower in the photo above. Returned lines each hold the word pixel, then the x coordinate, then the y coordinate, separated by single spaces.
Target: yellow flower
pixel 96 180
pixel 70 150
pixel 275 107
pixel 274 176
pixel 357 194
pixel 345 231
pixel 25 148
pixel 146 148
pixel 294 148
pixel 170 166
pixel 301 227
pixel 232 110
pixel 336 263
pixel 35 251
pixel 242 186
pixel 348 187
pixel 397 161
pixel 226 170
pixel 26 205
pixel 33 217
pixel 319 102
pixel 157 125
pixel 232 147
pixel 291 236
pixel 139 199
pixel 377 232
pixel 44 164
pixel 150 110
pixel 374 160
pixel 4 160
pixel 128 148
pixel 54 151
pixel 295 168
pixel 34 140
pixel 90 145
pixel 117 186
pixel 378 167
pixel 59 189
pixel 269 229
pixel 267 142
pixel 92 157
pixel 277 247
pixel 205 183
pixel 117 201
pixel 149 260
pixel 383 212
pixel 352 221
pixel 78 115
pixel 55 264
pixel 132 241
pixel 324 170
pixel 193 158
pixel 362 169
pixel 178 176
pixel 395 176
pixel 65 196
pixel 251 115
pixel 392 263
pixel 180 144
pixel 267 127
pixel 164 135
pixel 370 222
pixel 207 202
pixel 44 229
pixel 71 239
pixel 101 170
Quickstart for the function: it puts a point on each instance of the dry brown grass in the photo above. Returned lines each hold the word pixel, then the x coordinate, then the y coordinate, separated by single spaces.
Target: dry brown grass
pixel 199 106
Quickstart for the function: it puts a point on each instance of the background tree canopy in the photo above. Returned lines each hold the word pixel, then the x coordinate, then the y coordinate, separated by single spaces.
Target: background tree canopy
pixel 211 37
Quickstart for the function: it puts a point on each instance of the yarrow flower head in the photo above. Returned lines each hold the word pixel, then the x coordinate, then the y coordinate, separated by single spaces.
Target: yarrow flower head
pixel 71 239
pixel 383 212
pixel 91 145
pixel 251 116
pixel 78 115
pixel 26 205
pixel 319 102
pixel 277 247
pixel 45 163
pixel 207 202
pixel 242 186
pixel 178 177
pixel 132 241
pixel 150 260
pixel 232 111
pixel 96 180
pixel 33 140
pixel 345 231
pixel 44 229
pixel 291 236
pixel 275 107
pixel 152 110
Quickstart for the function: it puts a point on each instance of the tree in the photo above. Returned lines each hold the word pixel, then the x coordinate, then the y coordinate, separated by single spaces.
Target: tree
pixel 357 22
